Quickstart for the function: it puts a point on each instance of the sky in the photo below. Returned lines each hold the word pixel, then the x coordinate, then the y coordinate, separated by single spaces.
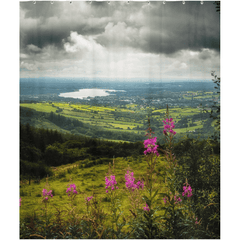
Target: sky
pixel 171 41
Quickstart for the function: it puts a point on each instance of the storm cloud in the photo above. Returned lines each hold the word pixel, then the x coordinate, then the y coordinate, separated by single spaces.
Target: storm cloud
pixel 73 31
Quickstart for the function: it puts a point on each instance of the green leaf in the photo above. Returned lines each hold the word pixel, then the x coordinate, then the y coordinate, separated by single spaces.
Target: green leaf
pixel 163 208
pixel 145 198
pixel 155 194
pixel 164 195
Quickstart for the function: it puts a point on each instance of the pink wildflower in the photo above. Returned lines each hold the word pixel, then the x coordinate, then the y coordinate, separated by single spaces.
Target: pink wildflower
pixel 88 198
pixel 177 200
pixel 71 189
pixel 45 194
pixel 130 182
pixel 146 208
pixel 187 190
pixel 110 183
pixel 169 127
pixel 166 127
pixel 150 145
pixel 165 199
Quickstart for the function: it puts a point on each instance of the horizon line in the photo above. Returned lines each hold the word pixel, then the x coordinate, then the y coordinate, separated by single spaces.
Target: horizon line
pixel 113 79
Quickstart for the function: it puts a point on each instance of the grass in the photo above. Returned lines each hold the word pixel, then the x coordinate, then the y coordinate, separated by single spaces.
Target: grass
pixel 41 107
pixel 88 181
pixel 183 130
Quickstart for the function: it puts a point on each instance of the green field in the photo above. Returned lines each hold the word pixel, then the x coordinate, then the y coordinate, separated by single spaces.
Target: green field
pixel 198 95
pixel 131 119
pixel 89 181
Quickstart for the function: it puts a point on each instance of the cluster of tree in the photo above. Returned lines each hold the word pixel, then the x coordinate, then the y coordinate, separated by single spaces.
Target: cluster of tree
pixel 64 122
pixel 28 115
pixel 45 148
pixel 38 137
pixel 215 110
pixel 33 143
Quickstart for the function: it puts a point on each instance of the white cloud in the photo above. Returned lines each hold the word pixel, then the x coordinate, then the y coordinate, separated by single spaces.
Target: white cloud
pixel 183 65
pixel 119 35
pixel 78 43
pixel 33 48
pixel 83 56
pixel 22 56
pixel 207 54
pixel 28 66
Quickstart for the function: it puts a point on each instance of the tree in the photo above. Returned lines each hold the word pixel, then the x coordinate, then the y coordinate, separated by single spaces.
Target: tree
pixel 53 155
pixel 29 152
pixel 215 110
pixel 30 170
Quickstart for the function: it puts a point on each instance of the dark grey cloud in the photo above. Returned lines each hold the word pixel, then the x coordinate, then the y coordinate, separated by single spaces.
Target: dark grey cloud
pixel 172 27
pixel 42 37
pixel 51 23
pixel 41 9
pixel 156 28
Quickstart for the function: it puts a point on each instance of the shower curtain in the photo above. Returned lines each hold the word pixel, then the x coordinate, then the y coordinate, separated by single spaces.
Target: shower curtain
pixel 94 77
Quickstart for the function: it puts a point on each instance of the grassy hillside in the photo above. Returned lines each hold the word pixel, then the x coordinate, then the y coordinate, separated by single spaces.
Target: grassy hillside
pixel 122 212
pixel 89 181
pixel 180 197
